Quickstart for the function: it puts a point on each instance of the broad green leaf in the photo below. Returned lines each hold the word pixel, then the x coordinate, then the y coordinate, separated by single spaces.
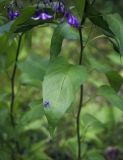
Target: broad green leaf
pixel 110 94
pixel 115 79
pixel 61 82
pixel 61 32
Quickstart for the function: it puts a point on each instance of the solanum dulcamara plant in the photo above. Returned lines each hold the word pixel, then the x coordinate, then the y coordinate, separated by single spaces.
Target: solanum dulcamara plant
pixel 62 79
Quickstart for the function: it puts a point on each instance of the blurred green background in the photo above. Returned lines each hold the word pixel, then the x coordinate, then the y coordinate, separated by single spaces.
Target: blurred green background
pixel 101 124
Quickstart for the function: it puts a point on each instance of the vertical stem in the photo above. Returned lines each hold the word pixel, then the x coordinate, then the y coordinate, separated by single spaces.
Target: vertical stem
pixel 81 99
pixel 13 83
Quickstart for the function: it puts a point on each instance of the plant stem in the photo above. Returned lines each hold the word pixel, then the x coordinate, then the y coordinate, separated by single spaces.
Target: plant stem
pixel 13 83
pixel 81 99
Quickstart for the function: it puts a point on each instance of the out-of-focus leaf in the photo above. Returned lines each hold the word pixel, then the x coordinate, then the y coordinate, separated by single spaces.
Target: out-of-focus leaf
pixel 101 67
pixel 34 66
pixel 70 145
pixel 5 28
pixel 110 94
pixel 4 155
pixel 35 112
pixel 94 155
pixel 91 122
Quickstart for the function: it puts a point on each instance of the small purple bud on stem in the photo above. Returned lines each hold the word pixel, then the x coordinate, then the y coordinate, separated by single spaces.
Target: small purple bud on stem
pixel 72 20
pixel 46 104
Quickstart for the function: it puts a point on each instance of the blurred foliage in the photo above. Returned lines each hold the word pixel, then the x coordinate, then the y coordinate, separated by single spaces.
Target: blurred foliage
pixel 101 117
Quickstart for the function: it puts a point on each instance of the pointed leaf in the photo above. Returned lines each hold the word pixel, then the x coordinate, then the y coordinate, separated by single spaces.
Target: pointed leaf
pixel 61 32
pixel 115 23
pixel 60 85
pixel 115 80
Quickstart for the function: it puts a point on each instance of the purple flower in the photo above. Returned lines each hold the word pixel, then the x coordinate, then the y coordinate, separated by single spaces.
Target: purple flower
pixel 12 14
pixel 72 20
pixel 46 104
pixel 58 7
pixel 37 15
pixel 45 16
pixel 41 16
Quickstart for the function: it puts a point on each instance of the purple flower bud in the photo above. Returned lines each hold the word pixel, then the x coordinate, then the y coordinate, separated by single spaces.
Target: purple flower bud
pixel 58 7
pixel 12 14
pixel 46 104
pixel 72 20
pixel 41 15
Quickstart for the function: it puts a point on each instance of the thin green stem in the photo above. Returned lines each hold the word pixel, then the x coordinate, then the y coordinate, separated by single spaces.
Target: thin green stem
pixel 81 88
pixel 81 100
pixel 13 96
pixel 13 83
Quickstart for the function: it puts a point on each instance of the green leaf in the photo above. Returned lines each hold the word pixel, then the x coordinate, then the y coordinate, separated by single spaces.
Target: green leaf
pixel 34 67
pixel 80 4
pixel 60 85
pixel 110 94
pixel 35 112
pixel 24 17
pixel 115 23
pixel 101 67
pixel 5 28
pixel 115 80
pixel 112 24
pixel 91 122
pixel 94 155
pixel 61 32
pixel 97 18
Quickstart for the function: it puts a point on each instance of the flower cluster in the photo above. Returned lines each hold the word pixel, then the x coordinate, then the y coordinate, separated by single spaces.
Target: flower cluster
pixel 57 7
pixel 12 14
